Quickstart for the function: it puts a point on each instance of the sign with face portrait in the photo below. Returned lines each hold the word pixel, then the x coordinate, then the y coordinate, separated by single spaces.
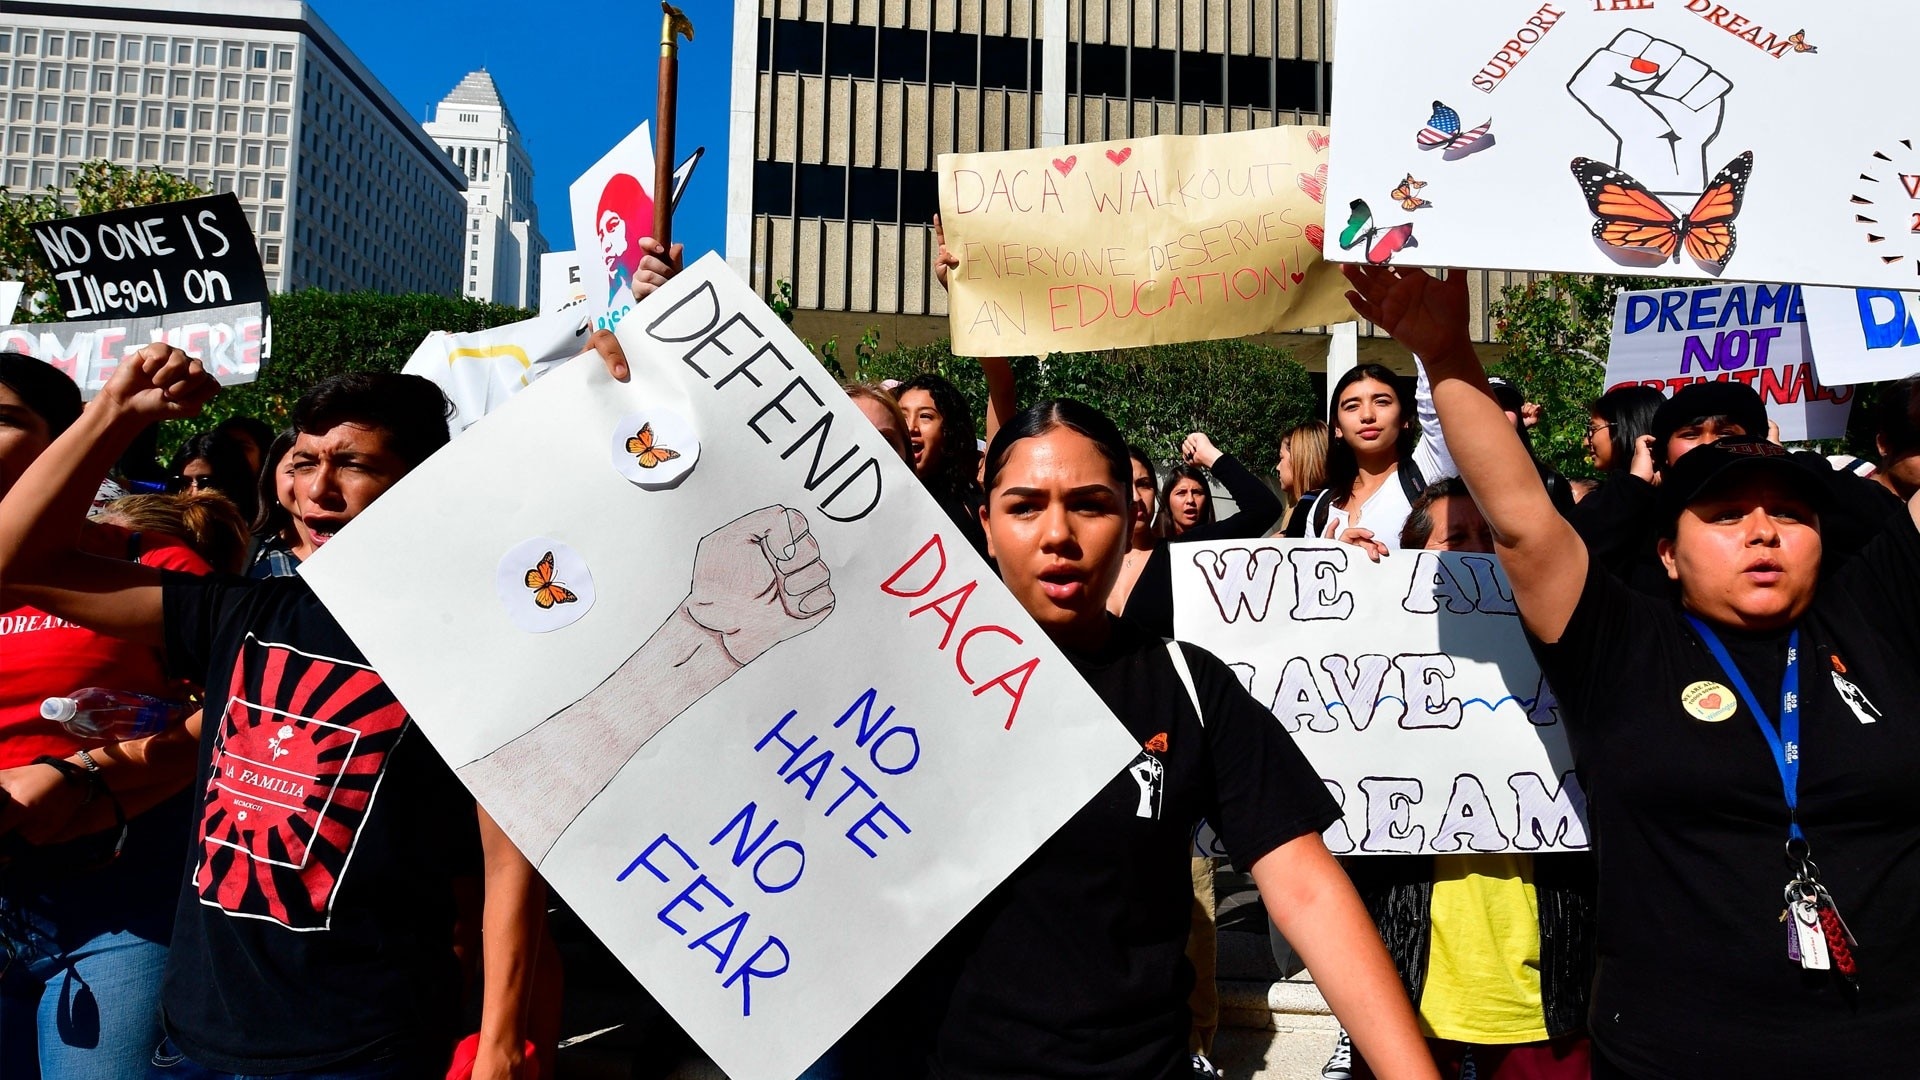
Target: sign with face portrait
pixel 613 211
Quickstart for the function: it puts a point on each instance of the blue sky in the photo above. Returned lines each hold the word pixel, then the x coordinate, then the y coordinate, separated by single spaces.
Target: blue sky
pixel 549 61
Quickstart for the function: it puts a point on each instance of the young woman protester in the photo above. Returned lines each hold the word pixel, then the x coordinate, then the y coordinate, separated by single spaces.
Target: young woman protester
pixel 91 827
pixel 1148 599
pixel 1302 467
pixel 281 541
pixel 1374 468
pixel 1757 843
pixel 1075 965
pixel 213 462
pixel 940 440
pixel 1185 502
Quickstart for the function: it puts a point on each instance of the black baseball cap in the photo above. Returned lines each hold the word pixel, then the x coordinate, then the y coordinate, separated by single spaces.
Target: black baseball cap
pixel 1691 404
pixel 1705 467
pixel 43 388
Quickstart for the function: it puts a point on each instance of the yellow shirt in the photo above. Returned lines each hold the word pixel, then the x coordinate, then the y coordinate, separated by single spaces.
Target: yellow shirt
pixel 1483 962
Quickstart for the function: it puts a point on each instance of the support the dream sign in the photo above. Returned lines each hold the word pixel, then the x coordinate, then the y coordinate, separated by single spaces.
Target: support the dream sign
pixel 1407 683
pixel 1760 140
pixel 712 657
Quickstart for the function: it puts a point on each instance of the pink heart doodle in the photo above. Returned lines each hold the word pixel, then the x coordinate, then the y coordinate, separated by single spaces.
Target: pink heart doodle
pixel 1315 184
pixel 1317 236
pixel 1318 142
pixel 1120 156
pixel 1065 165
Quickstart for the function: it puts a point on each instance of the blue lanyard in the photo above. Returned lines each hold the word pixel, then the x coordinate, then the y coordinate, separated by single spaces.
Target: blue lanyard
pixel 1786 741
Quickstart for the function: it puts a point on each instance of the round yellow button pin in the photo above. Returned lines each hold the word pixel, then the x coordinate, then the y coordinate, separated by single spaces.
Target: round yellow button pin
pixel 1708 701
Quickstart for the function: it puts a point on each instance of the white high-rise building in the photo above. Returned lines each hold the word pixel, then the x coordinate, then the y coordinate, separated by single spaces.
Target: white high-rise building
pixel 503 242
pixel 257 97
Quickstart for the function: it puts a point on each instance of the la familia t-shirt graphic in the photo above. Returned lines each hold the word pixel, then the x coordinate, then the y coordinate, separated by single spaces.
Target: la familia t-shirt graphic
pixel 299 754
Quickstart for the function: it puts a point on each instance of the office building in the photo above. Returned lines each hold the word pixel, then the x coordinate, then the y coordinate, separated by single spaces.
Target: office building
pixel 503 241
pixel 840 113
pixel 256 97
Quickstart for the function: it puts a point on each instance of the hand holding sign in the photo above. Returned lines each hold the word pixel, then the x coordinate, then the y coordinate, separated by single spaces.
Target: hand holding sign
pixel 758 582
pixel 160 383
pixel 1662 104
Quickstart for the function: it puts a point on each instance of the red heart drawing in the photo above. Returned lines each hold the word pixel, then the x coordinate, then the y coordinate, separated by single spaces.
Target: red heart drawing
pixel 1120 156
pixel 1315 184
pixel 1710 702
pixel 1318 142
pixel 1299 276
pixel 1065 165
pixel 1644 66
pixel 1317 236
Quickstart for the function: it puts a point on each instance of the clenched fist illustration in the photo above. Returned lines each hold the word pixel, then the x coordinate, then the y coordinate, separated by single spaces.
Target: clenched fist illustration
pixel 1663 104
pixel 758 581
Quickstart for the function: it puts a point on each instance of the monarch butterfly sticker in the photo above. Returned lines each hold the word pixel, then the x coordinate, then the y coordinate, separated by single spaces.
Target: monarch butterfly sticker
pixel 655 449
pixel 1636 229
pixel 544 585
pixel 1407 194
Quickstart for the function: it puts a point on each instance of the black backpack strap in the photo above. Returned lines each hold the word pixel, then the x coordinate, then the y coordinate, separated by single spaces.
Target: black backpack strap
pixel 1411 482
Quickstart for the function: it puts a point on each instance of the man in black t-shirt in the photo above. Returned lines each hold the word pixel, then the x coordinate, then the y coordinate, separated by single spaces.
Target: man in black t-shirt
pixel 315 930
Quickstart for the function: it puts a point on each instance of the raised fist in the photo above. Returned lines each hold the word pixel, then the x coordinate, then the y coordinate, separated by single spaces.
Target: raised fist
pixel 1197 449
pixel 1662 104
pixel 160 382
pixel 759 581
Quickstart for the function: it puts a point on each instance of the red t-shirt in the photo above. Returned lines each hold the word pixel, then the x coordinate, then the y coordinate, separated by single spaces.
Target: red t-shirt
pixel 42 657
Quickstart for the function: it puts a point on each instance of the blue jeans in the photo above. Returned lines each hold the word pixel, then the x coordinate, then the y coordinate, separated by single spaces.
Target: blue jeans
pixel 80 994
pixel 169 1063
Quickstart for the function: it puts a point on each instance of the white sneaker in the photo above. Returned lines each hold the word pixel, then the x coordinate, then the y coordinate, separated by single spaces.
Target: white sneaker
pixel 1340 1065
pixel 1203 1069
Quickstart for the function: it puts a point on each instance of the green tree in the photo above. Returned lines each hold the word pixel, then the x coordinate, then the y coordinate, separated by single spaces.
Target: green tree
pixel 98 187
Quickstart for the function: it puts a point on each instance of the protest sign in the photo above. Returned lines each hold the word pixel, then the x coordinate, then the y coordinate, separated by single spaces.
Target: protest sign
pixel 1407 683
pixel 144 261
pixel 480 370
pixel 1863 335
pixel 718 664
pixel 228 340
pixel 1138 242
pixel 560 284
pixel 612 205
pixel 9 299
pixel 1691 138
pixel 1754 334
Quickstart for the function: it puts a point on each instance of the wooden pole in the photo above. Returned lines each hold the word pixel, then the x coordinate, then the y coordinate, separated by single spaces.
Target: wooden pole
pixel 673 24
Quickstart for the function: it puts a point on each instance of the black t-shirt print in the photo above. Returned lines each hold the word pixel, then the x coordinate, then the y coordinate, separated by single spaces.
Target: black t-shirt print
pixel 329 836
pixel 1689 823
pixel 1075 967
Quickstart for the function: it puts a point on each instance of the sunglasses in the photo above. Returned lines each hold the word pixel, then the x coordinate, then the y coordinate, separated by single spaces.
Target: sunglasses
pixel 194 483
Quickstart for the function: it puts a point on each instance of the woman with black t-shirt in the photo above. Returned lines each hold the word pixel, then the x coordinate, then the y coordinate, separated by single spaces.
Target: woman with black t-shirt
pixel 1075 966
pixel 1747 784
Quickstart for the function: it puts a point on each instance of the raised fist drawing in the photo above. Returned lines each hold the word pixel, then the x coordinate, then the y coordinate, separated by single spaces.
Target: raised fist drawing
pixel 1662 104
pixel 758 581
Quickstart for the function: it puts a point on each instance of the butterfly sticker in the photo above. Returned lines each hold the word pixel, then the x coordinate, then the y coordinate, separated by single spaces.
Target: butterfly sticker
pixel 648 453
pixel 1315 184
pixel 1638 229
pixel 546 591
pixel 1381 245
pixel 1443 132
pixel 1404 194
pixel 1798 39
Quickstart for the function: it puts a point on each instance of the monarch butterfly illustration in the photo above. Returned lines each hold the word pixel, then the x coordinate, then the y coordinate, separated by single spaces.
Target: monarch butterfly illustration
pixel 646 451
pixel 1405 194
pixel 1634 221
pixel 546 591
pixel 1381 244
pixel 1798 39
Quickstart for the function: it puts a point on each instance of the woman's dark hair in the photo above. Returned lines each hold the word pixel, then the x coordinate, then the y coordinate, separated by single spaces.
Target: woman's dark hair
pixel 952 479
pixel 272 519
pixel 1628 413
pixel 1174 475
pixel 411 410
pixel 1343 468
pixel 1896 417
pixel 1077 416
pixel 1136 454
pixel 1418 528
pixel 232 477
pixel 254 431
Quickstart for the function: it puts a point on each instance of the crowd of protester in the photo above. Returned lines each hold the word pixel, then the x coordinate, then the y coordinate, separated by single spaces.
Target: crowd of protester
pixel 148 932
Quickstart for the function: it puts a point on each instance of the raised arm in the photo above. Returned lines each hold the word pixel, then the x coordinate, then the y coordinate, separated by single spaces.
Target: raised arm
pixel 1432 455
pixel 41 558
pixel 1545 560
pixel 1258 507
pixel 1003 398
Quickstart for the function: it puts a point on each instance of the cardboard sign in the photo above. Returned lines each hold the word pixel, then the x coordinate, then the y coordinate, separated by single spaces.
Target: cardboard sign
pixel 1138 242
pixel 1863 335
pixel 1407 683
pixel 560 284
pixel 229 341
pixel 800 728
pixel 612 206
pixel 145 261
pixel 1755 334
pixel 480 370
pixel 1688 138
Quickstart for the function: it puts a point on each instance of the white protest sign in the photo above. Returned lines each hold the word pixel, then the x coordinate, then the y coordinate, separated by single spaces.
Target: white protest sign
pixel 9 299
pixel 480 370
pixel 612 205
pixel 1407 683
pixel 1688 138
pixel 801 729
pixel 228 340
pixel 1863 335
pixel 560 284
pixel 1753 334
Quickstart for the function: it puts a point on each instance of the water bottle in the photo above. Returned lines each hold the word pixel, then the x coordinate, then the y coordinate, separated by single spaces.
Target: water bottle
pixel 113 715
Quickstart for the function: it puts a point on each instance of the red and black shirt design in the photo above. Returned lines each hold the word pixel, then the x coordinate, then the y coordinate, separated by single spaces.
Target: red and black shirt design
pixel 300 750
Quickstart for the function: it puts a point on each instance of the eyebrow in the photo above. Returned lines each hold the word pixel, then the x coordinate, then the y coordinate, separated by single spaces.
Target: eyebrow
pixel 1029 492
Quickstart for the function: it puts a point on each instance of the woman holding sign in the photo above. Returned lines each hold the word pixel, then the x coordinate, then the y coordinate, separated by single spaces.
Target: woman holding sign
pixel 1075 966
pixel 1750 798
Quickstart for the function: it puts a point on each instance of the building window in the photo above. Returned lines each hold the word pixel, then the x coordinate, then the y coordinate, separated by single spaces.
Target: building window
pixel 229 120
pixel 273 221
pixel 277 157
pixel 106 48
pixel 179 118
pixel 276 188
pixel 46 142
pixel 49 111
pixel 96 146
pixel 203 119
pixel 156 51
pixel 72 141
pixel 229 89
pixel 50 78
pixel 126 116
pixel 209 55
pixel 256 90
pixel 149 149
pixel 29 44
pixel 251 155
pixel 270 254
pixel 123 146
pixel 259 58
pixel 227 151
pixel 6 42
pixel 150 116
pixel 202 152
pixel 233 56
pixel 250 187
pixel 56 45
pixel 156 86
pixel 183 53
pixel 203 87
pixel 20 141
pixel 76 112
pixel 80 46
pixel 255 122
pixel 283 59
